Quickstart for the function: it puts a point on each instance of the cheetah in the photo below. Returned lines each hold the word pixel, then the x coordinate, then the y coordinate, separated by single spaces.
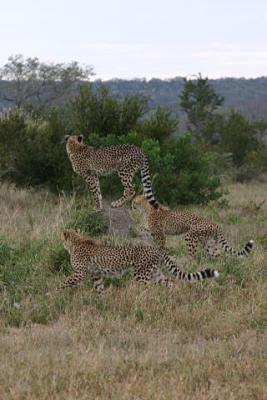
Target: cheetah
pixel 126 159
pixel 164 221
pixel 88 256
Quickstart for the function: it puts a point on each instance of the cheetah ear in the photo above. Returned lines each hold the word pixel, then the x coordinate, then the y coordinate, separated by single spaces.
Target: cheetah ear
pixel 80 138
pixel 66 138
pixel 64 235
pixel 78 230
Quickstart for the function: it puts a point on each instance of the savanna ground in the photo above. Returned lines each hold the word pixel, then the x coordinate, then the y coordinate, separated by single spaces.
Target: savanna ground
pixel 194 341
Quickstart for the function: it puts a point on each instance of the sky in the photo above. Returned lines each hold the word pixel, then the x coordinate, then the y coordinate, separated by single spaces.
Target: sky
pixel 140 38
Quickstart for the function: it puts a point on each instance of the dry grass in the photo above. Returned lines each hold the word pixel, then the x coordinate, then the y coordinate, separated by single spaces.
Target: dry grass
pixel 202 341
pixel 30 214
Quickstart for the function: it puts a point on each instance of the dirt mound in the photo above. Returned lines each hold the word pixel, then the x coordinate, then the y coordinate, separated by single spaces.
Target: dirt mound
pixel 119 221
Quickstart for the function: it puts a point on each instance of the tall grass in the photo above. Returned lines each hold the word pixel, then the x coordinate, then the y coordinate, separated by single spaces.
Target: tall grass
pixel 193 341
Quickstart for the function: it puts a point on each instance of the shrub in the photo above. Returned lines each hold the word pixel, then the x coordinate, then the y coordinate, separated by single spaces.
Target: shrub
pixel 240 137
pixel 100 112
pixel 32 151
pixel 183 174
pixel 160 126
pixel 89 221
pixel 59 260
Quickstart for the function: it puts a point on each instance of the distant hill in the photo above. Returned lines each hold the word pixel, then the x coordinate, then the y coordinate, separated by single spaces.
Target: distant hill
pixel 246 95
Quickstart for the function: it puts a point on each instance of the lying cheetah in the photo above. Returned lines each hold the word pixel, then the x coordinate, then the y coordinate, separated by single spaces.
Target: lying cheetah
pixel 90 257
pixel 126 159
pixel 164 221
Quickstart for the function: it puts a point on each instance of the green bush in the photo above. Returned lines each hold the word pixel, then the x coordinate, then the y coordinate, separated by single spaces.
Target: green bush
pixel 89 221
pixel 59 259
pixel 184 174
pixel 32 151
pixel 160 126
pixel 100 112
pixel 240 137
pixel 239 145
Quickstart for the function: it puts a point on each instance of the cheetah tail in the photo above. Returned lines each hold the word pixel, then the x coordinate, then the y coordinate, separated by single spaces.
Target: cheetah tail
pixel 228 249
pixel 147 186
pixel 191 276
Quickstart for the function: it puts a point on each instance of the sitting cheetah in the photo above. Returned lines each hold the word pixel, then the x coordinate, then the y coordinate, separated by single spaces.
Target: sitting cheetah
pixel 126 159
pixel 90 257
pixel 164 221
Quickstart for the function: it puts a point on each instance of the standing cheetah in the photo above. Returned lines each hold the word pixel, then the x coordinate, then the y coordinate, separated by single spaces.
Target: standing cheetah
pixel 90 257
pixel 126 159
pixel 163 221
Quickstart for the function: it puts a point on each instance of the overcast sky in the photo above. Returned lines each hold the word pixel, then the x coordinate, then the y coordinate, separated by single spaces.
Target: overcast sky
pixel 140 38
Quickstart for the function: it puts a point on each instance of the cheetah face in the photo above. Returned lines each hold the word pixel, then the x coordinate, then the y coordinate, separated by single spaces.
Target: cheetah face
pixel 68 237
pixel 73 139
pixel 138 202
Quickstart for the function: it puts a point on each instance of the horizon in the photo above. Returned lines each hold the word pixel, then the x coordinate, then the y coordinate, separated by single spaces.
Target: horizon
pixel 176 78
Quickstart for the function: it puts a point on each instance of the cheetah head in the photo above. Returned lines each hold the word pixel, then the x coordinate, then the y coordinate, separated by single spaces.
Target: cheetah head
pixel 69 237
pixel 73 142
pixel 139 201
pixel 70 234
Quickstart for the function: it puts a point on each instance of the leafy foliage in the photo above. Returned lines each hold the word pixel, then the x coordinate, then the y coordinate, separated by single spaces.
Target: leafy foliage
pixel 240 143
pixel 32 151
pixel 96 111
pixel 183 174
pixel 183 170
pixel 30 80
pixel 89 221
pixel 161 125
pixel 240 137
pixel 199 100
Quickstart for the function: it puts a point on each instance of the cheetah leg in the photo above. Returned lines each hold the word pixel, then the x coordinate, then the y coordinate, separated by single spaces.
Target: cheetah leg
pixel 159 237
pixel 126 177
pixel 94 186
pixel 151 275
pixel 191 244
pixel 72 280
pixel 211 247
pixel 160 279
pixel 98 282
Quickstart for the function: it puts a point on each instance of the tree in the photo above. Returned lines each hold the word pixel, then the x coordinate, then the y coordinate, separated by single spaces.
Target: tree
pixel 32 81
pixel 240 137
pixel 97 111
pixel 161 125
pixel 199 101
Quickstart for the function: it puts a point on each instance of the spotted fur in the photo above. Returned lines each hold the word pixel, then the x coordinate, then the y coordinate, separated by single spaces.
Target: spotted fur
pixel 126 159
pixel 90 257
pixel 196 229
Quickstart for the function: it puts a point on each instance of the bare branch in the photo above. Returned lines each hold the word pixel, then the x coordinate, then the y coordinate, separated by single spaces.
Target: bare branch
pixel 33 81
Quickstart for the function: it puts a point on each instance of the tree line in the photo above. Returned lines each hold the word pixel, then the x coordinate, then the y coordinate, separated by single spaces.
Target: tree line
pixel 52 100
